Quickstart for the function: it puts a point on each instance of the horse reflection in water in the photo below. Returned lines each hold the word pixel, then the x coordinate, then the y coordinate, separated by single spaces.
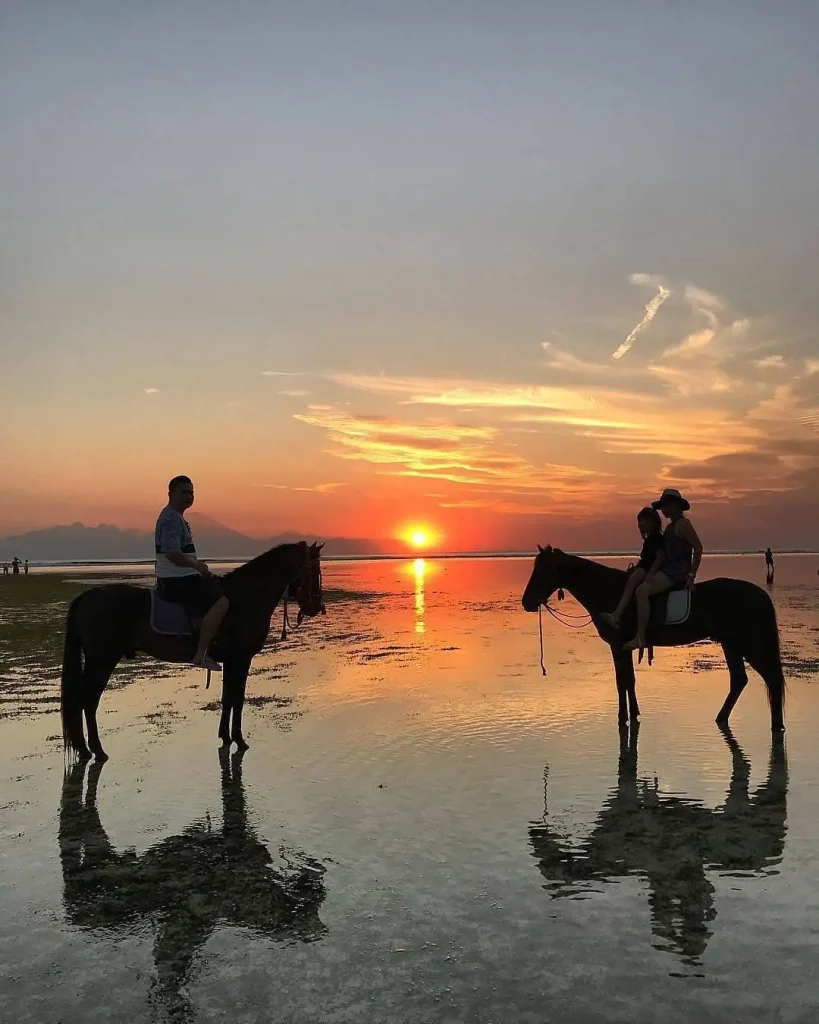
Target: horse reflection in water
pixel 671 842
pixel 187 884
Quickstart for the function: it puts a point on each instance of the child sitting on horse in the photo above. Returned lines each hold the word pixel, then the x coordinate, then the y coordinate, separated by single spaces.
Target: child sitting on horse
pixel 683 554
pixel 651 558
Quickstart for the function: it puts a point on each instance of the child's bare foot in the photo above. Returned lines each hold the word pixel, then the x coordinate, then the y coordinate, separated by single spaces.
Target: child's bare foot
pixel 611 619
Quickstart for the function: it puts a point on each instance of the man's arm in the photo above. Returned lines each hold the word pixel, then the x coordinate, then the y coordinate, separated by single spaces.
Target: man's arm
pixel 170 541
pixel 186 561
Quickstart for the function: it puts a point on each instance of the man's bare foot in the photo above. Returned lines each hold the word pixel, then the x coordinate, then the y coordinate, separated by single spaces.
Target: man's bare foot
pixel 241 743
pixel 611 619
pixel 636 644
pixel 205 661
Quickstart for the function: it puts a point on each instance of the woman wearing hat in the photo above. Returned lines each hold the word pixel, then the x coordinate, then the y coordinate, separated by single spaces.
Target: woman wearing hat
pixel 683 554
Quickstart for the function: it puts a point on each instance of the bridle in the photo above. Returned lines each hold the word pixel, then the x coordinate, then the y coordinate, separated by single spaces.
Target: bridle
pixel 305 590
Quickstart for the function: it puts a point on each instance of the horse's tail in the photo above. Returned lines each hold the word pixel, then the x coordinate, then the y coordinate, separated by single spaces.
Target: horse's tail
pixel 770 662
pixel 71 684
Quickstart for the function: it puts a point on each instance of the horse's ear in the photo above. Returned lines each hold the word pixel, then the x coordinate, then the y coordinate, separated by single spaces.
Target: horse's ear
pixel 540 549
pixel 549 547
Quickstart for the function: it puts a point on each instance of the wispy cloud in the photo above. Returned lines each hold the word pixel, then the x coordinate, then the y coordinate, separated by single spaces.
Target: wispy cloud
pixel 329 488
pixel 652 308
pixel 455 454
pixel 294 393
pixel 774 362
pixel 151 391
pixel 467 394
pixel 704 303
pixel 286 373
pixel 707 405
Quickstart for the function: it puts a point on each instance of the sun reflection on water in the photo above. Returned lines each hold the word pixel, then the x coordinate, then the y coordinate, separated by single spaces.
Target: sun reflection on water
pixel 419 568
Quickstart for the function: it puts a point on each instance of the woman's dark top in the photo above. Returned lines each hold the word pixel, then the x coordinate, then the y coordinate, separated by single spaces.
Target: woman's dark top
pixel 677 556
pixel 651 545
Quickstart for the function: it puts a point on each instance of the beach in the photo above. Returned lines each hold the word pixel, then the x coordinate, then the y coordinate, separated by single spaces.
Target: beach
pixel 424 829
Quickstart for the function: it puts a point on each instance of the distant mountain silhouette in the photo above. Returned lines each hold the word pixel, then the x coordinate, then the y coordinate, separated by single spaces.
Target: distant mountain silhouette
pixel 77 542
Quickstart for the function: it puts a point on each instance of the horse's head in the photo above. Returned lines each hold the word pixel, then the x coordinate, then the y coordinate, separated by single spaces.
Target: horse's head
pixel 545 578
pixel 305 587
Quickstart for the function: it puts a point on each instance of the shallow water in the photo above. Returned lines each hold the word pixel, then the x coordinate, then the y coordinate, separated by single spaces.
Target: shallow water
pixel 425 829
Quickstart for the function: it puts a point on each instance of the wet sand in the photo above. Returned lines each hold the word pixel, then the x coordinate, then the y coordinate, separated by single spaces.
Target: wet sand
pixel 424 829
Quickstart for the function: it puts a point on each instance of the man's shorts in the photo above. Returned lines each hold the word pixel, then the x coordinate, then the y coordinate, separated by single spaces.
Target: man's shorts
pixel 197 594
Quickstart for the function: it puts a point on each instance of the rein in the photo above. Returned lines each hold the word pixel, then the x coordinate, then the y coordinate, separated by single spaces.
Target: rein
pixel 564 618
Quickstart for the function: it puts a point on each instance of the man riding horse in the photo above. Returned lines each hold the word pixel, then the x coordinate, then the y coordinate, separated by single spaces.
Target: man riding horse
pixel 181 576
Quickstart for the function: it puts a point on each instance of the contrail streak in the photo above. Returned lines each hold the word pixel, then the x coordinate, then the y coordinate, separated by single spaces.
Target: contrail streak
pixel 651 312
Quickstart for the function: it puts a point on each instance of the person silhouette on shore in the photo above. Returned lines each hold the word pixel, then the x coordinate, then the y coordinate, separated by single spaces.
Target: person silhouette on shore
pixel 15 565
pixel 25 568
pixel 769 565
pixel 5 568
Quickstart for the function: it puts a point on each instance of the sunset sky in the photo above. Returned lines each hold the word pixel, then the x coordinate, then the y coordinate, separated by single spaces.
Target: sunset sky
pixel 360 267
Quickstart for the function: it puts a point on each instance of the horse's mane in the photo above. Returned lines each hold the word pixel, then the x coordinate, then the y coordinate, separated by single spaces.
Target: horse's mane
pixel 261 564
pixel 585 567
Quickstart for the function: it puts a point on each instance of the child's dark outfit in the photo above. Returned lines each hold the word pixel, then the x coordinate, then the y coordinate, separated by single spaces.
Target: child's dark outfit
pixel 653 543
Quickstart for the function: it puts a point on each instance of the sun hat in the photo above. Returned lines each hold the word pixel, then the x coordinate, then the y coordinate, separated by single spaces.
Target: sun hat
pixel 671 494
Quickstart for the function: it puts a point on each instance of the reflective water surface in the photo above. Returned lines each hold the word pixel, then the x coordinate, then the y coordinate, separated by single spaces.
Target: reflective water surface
pixel 425 828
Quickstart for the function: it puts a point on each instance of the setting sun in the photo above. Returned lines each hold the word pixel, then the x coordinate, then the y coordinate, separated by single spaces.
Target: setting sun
pixel 419 536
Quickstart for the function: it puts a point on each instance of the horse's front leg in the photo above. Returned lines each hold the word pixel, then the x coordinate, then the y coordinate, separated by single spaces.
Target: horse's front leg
pixel 236 671
pixel 227 704
pixel 627 706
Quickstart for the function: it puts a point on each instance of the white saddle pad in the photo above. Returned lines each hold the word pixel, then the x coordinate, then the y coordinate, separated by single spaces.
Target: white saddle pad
pixel 679 607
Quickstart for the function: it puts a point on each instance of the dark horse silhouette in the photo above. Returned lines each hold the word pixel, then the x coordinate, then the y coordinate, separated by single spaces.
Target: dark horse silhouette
pixel 108 623
pixel 738 615
pixel 671 843
pixel 187 884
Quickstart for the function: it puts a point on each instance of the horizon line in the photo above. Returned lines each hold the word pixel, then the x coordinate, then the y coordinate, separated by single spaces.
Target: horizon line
pixel 412 556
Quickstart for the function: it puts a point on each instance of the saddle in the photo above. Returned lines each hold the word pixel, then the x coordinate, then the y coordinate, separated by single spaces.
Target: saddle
pixel 169 618
pixel 671 608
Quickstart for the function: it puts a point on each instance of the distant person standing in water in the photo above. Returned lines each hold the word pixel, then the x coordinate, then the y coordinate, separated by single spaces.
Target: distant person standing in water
pixel 25 567
pixel 15 565
pixel 769 564
pixel 5 568
pixel 181 576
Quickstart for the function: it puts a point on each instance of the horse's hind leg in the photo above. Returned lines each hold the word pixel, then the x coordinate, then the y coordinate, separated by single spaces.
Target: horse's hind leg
pixel 769 666
pixel 96 679
pixel 76 737
pixel 739 680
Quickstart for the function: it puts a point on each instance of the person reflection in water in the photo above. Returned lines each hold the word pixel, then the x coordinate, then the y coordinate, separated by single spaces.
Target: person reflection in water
pixel 187 885
pixel 668 841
